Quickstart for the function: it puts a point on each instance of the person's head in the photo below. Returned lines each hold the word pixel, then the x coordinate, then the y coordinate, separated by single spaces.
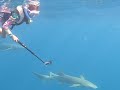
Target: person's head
pixel 33 6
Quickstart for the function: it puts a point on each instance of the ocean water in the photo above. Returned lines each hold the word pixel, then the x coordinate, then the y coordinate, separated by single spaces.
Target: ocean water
pixel 81 37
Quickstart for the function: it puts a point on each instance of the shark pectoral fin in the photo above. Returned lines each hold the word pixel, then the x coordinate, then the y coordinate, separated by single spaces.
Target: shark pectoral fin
pixel 75 85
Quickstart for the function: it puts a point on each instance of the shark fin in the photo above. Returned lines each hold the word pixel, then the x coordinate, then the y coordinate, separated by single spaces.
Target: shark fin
pixel 75 85
pixel 53 74
pixel 81 76
pixel 6 49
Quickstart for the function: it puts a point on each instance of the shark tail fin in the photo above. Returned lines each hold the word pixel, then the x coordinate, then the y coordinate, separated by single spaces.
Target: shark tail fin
pixel 36 74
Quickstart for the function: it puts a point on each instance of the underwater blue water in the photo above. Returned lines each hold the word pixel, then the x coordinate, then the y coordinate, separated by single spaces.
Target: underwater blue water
pixel 82 38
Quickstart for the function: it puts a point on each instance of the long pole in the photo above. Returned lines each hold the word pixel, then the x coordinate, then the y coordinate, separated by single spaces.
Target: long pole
pixel 46 63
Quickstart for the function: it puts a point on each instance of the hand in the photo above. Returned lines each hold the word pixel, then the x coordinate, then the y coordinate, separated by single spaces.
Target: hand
pixel 14 38
pixel 30 20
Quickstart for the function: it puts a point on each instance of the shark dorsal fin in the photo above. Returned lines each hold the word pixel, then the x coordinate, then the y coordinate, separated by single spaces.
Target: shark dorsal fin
pixel 81 76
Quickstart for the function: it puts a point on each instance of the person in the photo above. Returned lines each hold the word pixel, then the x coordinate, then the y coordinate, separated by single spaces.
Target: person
pixel 22 13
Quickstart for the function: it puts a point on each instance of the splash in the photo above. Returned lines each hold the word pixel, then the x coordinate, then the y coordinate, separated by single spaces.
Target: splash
pixel 5 7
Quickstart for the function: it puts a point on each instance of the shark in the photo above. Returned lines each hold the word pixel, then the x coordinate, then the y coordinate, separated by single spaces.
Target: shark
pixel 68 79
pixel 8 46
pixel 74 81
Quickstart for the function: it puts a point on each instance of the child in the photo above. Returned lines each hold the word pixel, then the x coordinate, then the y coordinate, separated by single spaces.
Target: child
pixel 22 13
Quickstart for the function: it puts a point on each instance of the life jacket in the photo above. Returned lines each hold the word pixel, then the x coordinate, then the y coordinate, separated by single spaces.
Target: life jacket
pixel 21 15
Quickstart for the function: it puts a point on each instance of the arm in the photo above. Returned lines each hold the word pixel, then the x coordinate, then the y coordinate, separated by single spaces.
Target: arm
pixel 7 30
